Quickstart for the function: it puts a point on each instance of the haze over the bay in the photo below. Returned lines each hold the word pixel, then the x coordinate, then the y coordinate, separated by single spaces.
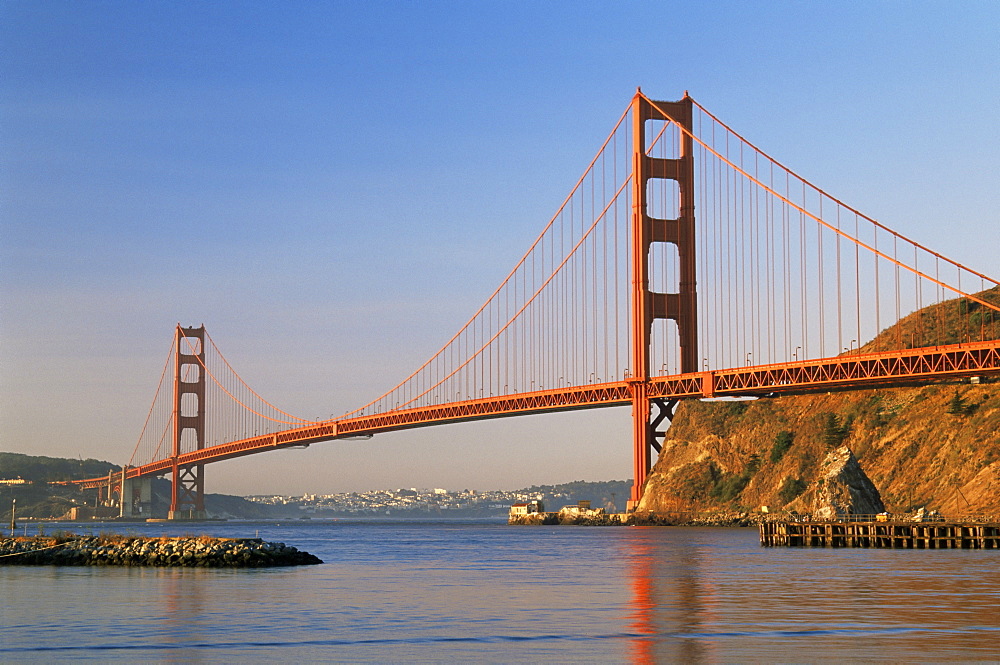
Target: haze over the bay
pixel 334 188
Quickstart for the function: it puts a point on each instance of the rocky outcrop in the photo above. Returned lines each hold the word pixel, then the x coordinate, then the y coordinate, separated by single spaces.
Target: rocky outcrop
pixel 533 519
pixel 844 489
pixel 72 550
pixel 581 515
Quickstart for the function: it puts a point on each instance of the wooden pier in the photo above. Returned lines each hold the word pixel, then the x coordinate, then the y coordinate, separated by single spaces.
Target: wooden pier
pixel 883 534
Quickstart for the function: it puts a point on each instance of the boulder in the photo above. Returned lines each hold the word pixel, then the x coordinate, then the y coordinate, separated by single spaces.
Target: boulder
pixel 844 489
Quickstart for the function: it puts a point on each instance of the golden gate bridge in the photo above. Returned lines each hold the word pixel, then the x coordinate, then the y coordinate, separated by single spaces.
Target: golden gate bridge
pixel 685 263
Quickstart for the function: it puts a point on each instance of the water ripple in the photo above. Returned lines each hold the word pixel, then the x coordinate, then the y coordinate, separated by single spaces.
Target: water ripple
pixel 499 639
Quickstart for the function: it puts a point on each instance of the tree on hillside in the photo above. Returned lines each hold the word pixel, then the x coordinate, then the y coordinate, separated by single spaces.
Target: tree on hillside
pixel 782 442
pixel 834 432
pixel 957 406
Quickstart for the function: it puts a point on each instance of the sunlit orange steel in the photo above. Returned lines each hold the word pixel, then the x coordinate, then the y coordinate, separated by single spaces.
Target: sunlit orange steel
pixel 853 372
pixel 681 307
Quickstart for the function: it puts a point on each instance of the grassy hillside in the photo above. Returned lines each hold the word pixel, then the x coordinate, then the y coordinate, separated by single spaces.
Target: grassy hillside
pixel 936 446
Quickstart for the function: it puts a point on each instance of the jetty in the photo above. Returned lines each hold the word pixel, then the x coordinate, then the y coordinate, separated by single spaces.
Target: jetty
pixel 883 532
pixel 185 551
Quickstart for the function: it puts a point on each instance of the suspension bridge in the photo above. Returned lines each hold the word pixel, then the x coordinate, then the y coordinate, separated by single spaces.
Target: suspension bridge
pixel 685 263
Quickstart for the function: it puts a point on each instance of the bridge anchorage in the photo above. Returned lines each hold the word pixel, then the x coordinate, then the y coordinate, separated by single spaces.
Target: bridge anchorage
pixel 625 300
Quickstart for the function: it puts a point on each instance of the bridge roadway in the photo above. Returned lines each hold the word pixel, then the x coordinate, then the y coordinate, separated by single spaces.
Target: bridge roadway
pixel 853 371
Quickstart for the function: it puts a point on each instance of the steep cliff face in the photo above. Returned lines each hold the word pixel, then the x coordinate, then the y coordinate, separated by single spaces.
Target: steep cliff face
pixel 936 446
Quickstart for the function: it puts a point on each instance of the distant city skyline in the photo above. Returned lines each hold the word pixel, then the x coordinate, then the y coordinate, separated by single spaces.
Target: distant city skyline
pixel 332 189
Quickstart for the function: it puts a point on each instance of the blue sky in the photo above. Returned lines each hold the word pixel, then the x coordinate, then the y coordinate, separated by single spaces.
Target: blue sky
pixel 333 188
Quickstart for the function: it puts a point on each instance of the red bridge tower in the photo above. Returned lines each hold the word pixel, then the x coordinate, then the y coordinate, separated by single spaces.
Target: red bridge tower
pixel 188 495
pixel 647 306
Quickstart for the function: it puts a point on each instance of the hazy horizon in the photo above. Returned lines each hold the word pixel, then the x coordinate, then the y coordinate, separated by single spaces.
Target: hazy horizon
pixel 334 188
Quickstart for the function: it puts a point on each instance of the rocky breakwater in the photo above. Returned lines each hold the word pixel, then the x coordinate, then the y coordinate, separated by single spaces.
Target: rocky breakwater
pixel 200 552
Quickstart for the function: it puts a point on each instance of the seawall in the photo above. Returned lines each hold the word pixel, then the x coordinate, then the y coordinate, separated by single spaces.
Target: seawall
pixel 187 551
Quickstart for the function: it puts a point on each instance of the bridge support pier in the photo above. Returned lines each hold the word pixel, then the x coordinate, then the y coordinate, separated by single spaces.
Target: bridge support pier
pixel 647 306
pixel 187 499
pixel 137 497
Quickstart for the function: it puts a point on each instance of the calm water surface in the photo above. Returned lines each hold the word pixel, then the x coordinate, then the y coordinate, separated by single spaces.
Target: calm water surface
pixel 451 592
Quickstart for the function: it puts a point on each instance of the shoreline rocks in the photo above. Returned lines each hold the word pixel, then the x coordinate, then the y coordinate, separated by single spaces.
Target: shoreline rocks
pixel 189 551
pixel 721 519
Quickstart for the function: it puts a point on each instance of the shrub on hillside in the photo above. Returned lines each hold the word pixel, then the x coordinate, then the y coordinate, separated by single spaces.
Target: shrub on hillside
pixel 782 442
pixel 791 488
pixel 834 432
pixel 957 406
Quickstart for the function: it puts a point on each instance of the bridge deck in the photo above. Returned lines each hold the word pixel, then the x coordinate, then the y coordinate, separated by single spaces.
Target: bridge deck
pixel 847 372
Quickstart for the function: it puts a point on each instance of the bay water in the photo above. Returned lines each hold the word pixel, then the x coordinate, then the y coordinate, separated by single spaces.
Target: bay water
pixel 480 591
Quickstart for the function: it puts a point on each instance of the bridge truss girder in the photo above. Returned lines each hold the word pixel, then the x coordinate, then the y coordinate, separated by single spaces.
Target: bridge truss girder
pixel 909 367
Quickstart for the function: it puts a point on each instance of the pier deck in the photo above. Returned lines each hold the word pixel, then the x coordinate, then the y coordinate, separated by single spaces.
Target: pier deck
pixel 898 535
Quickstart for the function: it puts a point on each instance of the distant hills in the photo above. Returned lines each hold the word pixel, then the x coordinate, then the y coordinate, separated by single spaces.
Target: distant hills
pixel 39 469
pixel 38 499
